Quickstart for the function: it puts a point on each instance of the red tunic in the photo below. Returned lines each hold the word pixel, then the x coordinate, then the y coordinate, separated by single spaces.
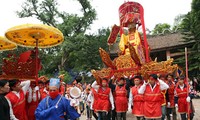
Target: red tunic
pixel 182 103
pixel 62 89
pixel 138 102
pixel 95 102
pixel 43 94
pixel 121 100
pixel 103 103
pixel 41 91
pixel 18 105
pixel 171 90
pixel 152 102
pixel 31 107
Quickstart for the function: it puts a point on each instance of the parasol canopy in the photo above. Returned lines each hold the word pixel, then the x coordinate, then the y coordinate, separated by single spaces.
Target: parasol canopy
pixel 6 45
pixel 35 36
pixel 27 35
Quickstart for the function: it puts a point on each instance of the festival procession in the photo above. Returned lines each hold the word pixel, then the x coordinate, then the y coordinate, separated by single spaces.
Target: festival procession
pixel 135 83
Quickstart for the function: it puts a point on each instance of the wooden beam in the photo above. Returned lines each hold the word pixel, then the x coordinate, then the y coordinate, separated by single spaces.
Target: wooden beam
pixel 177 54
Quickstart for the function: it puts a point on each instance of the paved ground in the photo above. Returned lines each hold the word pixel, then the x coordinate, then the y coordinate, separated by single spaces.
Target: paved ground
pixel 196 103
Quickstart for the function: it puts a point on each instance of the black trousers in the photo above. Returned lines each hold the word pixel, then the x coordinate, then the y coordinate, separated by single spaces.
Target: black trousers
pixel 103 116
pixel 184 116
pixel 140 118
pixel 171 111
pixel 113 114
pixel 94 115
pixel 121 116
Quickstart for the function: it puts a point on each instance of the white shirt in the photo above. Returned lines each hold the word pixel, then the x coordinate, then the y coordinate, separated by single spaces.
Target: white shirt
pixel 96 87
pixel 25 86
pixel 131 97
pixel 91 99
pixel 163 86
pixel 33 95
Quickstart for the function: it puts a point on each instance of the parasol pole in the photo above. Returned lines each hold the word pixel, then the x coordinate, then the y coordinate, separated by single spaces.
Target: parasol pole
pixel 144 35
pixel 36 66
pixel 186 73
pixel 36 62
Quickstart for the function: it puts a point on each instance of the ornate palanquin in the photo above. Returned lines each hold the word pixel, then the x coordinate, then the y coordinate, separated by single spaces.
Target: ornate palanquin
pixel 159 67
pixel 124 65
pixel 27 65
pixel 128 65
pixel 20 67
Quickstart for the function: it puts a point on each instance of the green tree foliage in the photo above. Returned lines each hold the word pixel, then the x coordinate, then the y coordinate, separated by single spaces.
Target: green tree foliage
pixel 85 56
pixel 79 51
pixel 67 76
pixel 177 22
pixel 160 28
pixel 191 31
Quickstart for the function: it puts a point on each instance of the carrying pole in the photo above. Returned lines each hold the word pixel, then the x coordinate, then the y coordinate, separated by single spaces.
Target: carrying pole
pixel 186 73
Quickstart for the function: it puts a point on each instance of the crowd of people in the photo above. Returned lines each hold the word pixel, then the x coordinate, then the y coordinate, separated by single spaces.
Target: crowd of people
pixel 158 98
pixel 107 99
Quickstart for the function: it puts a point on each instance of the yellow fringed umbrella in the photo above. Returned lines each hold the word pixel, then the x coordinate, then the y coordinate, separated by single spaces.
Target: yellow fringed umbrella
pixel 6 45
pixel 28 35
pixel 35 35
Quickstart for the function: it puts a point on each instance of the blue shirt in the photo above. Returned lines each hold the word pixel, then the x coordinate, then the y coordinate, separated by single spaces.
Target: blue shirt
pixel 54 109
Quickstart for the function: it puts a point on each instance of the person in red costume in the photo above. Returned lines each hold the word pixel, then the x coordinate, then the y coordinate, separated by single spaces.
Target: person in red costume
pixel 183 98
pixel 41 84
pixel 121 97
pixel 105 99
pixel 45 91
pixel 164 97
pixel 93 98
pixel 170 101
pixel 41 87
pixel 62 85
pixel 152 97
pixel 136 101
pixel 33 98
pixel 17 97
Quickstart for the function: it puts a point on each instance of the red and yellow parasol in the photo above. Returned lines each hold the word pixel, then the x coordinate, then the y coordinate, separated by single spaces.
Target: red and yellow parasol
pixel 35 35
pixel 28 35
